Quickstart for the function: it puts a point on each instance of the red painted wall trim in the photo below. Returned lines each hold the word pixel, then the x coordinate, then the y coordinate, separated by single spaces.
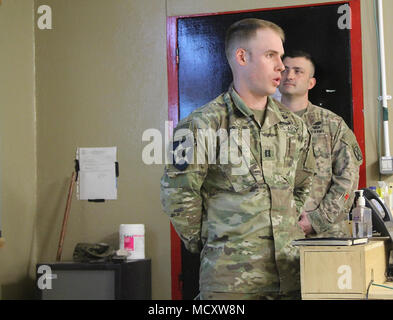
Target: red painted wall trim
pixel 173 115
pixel 261 9
pixel 357 84
pixel 172 68
pixel 173 104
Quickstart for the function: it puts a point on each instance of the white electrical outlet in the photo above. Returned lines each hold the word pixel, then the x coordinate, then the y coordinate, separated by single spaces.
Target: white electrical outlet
pixel 386 165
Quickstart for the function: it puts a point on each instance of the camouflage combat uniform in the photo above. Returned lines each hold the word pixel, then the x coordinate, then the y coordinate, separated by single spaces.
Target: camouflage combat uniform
pixel 337 158
pixel 243 223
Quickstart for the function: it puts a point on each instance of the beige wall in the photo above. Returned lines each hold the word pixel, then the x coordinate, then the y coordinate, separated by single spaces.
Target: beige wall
pixel 99 79
pixel 370 84
pixel 18 164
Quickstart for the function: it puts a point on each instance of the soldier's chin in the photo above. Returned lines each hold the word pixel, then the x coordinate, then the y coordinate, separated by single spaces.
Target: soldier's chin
pixel 283 90
pixel 272 91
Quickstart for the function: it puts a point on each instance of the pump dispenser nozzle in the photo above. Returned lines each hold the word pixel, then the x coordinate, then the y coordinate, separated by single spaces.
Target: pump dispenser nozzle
pixel 361 200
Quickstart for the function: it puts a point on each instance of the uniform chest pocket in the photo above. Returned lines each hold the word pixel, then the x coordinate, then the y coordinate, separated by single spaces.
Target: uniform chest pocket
pixel 236 163
pixel 292 150
pixel 321 145
pixel 240 180
pixel 291 147
pixel 322 151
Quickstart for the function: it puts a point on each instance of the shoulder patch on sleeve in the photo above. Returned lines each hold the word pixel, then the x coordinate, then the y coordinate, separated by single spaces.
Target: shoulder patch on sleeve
pixel 357 152
pixel 349 138
pixel 183 146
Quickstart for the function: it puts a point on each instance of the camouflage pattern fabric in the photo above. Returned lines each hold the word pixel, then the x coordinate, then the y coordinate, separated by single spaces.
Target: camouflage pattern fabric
pixel 92 252
pixel 243 220
pixel 246 296
pixel 337 157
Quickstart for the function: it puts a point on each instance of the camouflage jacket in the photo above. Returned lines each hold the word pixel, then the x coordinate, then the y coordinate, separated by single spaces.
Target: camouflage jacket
pixel 243 219
pixel 337 158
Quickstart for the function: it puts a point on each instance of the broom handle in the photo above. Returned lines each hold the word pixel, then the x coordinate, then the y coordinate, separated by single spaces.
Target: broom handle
pixel 65 219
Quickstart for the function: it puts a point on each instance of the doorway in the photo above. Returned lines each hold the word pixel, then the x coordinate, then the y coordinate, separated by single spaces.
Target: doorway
pixel 198 72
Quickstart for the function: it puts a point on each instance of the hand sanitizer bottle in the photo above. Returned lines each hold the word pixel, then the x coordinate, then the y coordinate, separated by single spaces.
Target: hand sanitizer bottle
pixel 361 219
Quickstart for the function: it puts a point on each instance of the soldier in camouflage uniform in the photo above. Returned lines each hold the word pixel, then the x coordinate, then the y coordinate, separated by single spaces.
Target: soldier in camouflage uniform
pixel 242 221
pixel 337 153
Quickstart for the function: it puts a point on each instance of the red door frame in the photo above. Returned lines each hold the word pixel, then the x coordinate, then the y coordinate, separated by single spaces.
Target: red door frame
pixel 173 104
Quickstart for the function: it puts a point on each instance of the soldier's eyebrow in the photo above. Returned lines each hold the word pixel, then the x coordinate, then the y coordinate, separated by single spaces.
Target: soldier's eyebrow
pixel 295 68
pixel 273 52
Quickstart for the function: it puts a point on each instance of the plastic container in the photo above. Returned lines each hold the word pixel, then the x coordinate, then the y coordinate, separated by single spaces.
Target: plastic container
pixel 389 196
pixel 361 219
pixel 132 239
pixel 382 190
pixel 390 193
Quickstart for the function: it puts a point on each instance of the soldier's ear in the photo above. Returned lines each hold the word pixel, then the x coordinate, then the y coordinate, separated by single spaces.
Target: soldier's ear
pixel 241 56
pixel 312 82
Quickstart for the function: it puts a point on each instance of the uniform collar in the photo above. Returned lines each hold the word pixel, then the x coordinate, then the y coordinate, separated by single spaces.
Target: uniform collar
pixel 272 116
pixel 309 115
pixel 310 108
pixel 239 103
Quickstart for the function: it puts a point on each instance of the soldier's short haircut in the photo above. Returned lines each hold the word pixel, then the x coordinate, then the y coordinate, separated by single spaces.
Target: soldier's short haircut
pixel 301 54
pixel 246 29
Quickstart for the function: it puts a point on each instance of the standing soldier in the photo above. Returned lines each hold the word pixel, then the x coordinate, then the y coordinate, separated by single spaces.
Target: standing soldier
pixel 337 153
pixel 242 215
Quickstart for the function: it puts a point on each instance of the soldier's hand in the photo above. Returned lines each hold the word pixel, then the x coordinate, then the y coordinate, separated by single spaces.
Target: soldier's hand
pixel 305 224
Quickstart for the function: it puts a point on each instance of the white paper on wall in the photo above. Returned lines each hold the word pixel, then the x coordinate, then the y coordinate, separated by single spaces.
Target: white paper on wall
pixel 97 173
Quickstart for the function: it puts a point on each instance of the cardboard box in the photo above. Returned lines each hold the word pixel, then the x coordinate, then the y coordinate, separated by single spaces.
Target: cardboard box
pixel 341 272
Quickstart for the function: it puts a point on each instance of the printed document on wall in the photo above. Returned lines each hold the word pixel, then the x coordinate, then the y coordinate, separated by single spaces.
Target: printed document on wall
pixel 97 173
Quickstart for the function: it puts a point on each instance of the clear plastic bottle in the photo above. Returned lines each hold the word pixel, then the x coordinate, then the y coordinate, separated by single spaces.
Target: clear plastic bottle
pixel 361 219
